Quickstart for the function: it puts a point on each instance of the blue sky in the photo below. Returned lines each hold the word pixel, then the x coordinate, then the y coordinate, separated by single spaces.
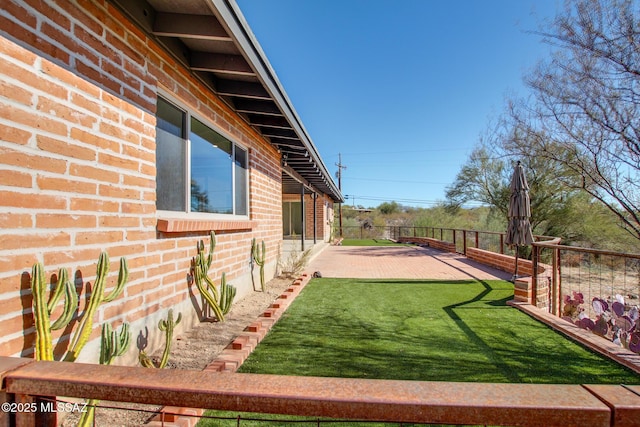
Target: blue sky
pixel 401 89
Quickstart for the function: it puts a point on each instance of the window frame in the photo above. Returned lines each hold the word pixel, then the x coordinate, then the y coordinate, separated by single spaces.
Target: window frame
pixel 188 213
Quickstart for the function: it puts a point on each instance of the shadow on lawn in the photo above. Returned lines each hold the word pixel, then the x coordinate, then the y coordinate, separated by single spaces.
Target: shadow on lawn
pixel 393 337
pixel 497 360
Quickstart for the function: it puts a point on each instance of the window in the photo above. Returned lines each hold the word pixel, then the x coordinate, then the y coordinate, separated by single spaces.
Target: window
pixel 198 170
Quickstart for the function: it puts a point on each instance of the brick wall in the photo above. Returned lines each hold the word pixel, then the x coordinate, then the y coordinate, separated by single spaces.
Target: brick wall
pixel 501 261
pixel 523 289
pixel 78 87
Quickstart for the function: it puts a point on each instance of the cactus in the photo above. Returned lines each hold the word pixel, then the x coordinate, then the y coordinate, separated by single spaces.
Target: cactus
pixel 42 310
pixel 227 294
pixel 81 335
pixel 200 266
pixel 258 255
pixel 113 344
pixel 167 327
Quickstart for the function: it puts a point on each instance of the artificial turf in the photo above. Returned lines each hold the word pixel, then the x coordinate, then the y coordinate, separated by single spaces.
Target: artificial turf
pixel 428 330
pixel 424 330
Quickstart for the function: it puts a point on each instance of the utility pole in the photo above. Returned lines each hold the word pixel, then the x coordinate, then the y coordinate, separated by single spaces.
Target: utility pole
pixel 339 176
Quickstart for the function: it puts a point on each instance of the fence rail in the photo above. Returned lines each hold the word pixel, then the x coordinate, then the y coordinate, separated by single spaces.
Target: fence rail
pixel 350 399
pixel 595 289
pixel 493 241
pixel 576 277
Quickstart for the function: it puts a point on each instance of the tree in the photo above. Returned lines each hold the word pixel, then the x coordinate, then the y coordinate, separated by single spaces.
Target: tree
pixel 388 208
pixel 483 178
pixel 486 177
pixel 584 113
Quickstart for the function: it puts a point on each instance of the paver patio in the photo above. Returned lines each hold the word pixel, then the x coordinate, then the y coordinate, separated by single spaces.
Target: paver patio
pixel 399 262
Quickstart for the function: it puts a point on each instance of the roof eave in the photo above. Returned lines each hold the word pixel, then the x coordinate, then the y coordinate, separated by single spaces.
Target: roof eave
pixel 228 12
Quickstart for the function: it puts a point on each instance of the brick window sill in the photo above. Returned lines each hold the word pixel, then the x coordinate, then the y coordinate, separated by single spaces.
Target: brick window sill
pixel 181 225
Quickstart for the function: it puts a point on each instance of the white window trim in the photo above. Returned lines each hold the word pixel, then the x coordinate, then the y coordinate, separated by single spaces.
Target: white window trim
pixel 206 215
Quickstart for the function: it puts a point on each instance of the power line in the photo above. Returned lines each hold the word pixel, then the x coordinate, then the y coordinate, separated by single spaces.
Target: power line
pixel 403 200
pixel 397 180
pixel 407 151
pixel 339 176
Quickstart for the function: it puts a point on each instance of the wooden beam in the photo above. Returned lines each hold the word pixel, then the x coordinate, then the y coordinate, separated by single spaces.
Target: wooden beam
pixel 189 26
pixel 267 121
pixel 288 142
pixel 257 107
pixel 279 133
pixel 242 89
pixel 220 63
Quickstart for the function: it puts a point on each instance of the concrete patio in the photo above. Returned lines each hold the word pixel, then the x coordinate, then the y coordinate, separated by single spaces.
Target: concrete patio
pixel 399 262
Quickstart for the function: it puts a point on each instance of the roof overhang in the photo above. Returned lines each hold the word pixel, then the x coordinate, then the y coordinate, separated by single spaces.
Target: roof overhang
pixel 213 40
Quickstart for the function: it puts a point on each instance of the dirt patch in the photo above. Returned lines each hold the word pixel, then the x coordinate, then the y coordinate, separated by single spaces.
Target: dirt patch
pixel 194 350
pixel 198 347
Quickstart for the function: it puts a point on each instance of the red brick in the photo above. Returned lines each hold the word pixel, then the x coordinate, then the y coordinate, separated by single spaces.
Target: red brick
pixel 16 178
pixel 11 156
pixel 98 237
pixel 16 136
pixel 94 205
pixel 65 148
pixel 70 257
pixel 92 139
pixel 59 221
pixel 93 172
pixel 16 93
pixel 60 184
pixel 40 240
pixel 254 327
pixel 118 192
pixel 122 306
pixel 20 346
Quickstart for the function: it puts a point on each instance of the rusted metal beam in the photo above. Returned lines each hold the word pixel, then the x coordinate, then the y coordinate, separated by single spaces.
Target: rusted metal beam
pixel 624 401
pixel 364 399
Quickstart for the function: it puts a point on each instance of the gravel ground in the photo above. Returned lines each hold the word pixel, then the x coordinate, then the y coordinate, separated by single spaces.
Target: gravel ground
pixel 194 350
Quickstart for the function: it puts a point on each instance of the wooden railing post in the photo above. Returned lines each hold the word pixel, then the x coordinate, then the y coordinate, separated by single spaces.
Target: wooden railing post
pixel 555 282
pixel 534 276
pixel 464 242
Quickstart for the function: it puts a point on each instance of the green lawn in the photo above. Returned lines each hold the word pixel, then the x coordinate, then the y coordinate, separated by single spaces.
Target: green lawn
pixel 370 242
pixel 423 330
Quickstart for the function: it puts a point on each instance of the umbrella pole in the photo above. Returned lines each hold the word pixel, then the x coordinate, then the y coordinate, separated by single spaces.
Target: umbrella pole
pixel 515 273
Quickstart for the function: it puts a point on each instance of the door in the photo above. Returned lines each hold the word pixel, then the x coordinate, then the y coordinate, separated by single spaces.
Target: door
pixel 292 218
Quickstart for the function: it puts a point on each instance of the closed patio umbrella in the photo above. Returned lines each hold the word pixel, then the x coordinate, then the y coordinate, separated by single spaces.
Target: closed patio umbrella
pixel 519 228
